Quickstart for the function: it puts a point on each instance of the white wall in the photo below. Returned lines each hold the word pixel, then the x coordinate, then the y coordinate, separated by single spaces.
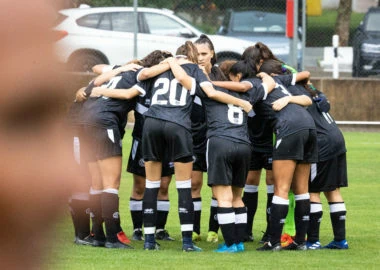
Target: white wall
pixel 357 5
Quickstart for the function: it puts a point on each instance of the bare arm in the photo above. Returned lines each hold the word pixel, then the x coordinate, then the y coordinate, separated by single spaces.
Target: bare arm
pixel 98 69
pixel 115 93
pixel 280 103
pixel 302 75
pixel 180 74
pixel 153 71
pixel 226 98
pixel 233 86
pixel 105 77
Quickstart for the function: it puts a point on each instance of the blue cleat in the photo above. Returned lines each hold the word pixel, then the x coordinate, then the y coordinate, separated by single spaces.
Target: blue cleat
pixel 225 249
pixel 313 245
pixel 337 245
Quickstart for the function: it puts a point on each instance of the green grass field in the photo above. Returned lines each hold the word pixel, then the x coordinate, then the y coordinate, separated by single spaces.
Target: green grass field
pixel 363 223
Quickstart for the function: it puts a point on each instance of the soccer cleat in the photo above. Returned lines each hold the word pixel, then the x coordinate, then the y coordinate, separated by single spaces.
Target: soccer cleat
pixel 137 235
pixel 163 235
pixel 269 247
pixel 122 237
pixel 265 238
pixel 286 240
pixel 87 241
pixel 337 245
pixel 190 248
pixel 313 245
pixel 227 249
pixel 212 237
pixel 294 246
pixel 240 247
pixel 196 237
pixel 117 244
pixel 151 246
pixel 248 238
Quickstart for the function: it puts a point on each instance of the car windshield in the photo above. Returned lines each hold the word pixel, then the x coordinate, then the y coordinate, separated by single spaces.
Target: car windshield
pixel 258 22
pixel 373 22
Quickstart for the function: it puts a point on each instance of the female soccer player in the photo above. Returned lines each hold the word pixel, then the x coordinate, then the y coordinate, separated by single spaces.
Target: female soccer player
pixel 105 119
pixel 228 158
pixel 167 128
pixel 328 175
pixel 207 60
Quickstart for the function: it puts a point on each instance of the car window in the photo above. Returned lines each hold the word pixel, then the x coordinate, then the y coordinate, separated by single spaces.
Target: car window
pixel 105 22
pixel 373 22
pixel 258 22
pixel 159 24
pixel 90 20
pixel 123 21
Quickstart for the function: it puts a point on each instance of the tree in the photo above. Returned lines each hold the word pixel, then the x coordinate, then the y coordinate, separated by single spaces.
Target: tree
pixel 342 24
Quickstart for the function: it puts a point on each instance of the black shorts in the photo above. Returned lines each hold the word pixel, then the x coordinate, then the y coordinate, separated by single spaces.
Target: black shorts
pixel 163 137
pixel 260 160
pixel 300 146
pixel 104 143
pixel 328 175
pixel 199 162
pixel 227 162
pixel 136 164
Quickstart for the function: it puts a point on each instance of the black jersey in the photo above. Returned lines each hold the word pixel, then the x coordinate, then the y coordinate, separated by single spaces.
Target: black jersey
pixel 330 139
pixel 172 102
pixel 142 106
pixel 198 117
pixel 260 133
pixel 108 112
pixel 226 120
pixel 291 118
pixel 74 112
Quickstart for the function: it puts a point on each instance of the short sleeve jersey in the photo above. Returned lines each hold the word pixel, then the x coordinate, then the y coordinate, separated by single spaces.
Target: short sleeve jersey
pixel 172 102
pixel 226 120
pixel 330 139
pixel 292 118
pixel 110 112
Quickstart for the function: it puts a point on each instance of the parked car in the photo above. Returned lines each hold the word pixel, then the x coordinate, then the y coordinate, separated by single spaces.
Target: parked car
pixel 90 36
pixel 255 25
pixel 366 45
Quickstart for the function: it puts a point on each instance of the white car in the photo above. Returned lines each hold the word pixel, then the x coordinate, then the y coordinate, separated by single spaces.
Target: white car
pixel 90 36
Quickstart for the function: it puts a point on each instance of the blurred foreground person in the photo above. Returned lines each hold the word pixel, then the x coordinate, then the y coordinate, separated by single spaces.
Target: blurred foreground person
pixel 35 162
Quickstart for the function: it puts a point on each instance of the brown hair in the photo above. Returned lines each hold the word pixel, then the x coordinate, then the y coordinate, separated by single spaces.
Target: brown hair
pixel 154 58
pixel 259 52
pixel 225 67
pixel 203 39
pixel 188 49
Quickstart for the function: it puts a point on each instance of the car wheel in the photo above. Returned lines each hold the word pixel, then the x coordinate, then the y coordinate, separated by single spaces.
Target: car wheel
pixel 84 61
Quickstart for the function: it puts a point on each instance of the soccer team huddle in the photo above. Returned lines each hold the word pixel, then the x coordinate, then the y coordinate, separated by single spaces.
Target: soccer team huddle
pixel 193 117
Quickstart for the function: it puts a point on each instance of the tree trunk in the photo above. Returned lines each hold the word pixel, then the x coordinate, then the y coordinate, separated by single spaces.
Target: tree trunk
pixel 342 24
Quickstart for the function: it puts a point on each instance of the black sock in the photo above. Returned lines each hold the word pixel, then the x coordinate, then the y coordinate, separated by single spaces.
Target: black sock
pixel 96 214
pixel 240 224
pixel 213 225
pixel 301 216
pixel 315 222
pixel 110 214
pixel 270 194
pixel 185 208
pixel 250 198
pixel 278 212
pixel 226 220
pixel 197 214
pixel 150 208
pixel 135 207
pixel 338 220
pixel 80 213
pixel 163 207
